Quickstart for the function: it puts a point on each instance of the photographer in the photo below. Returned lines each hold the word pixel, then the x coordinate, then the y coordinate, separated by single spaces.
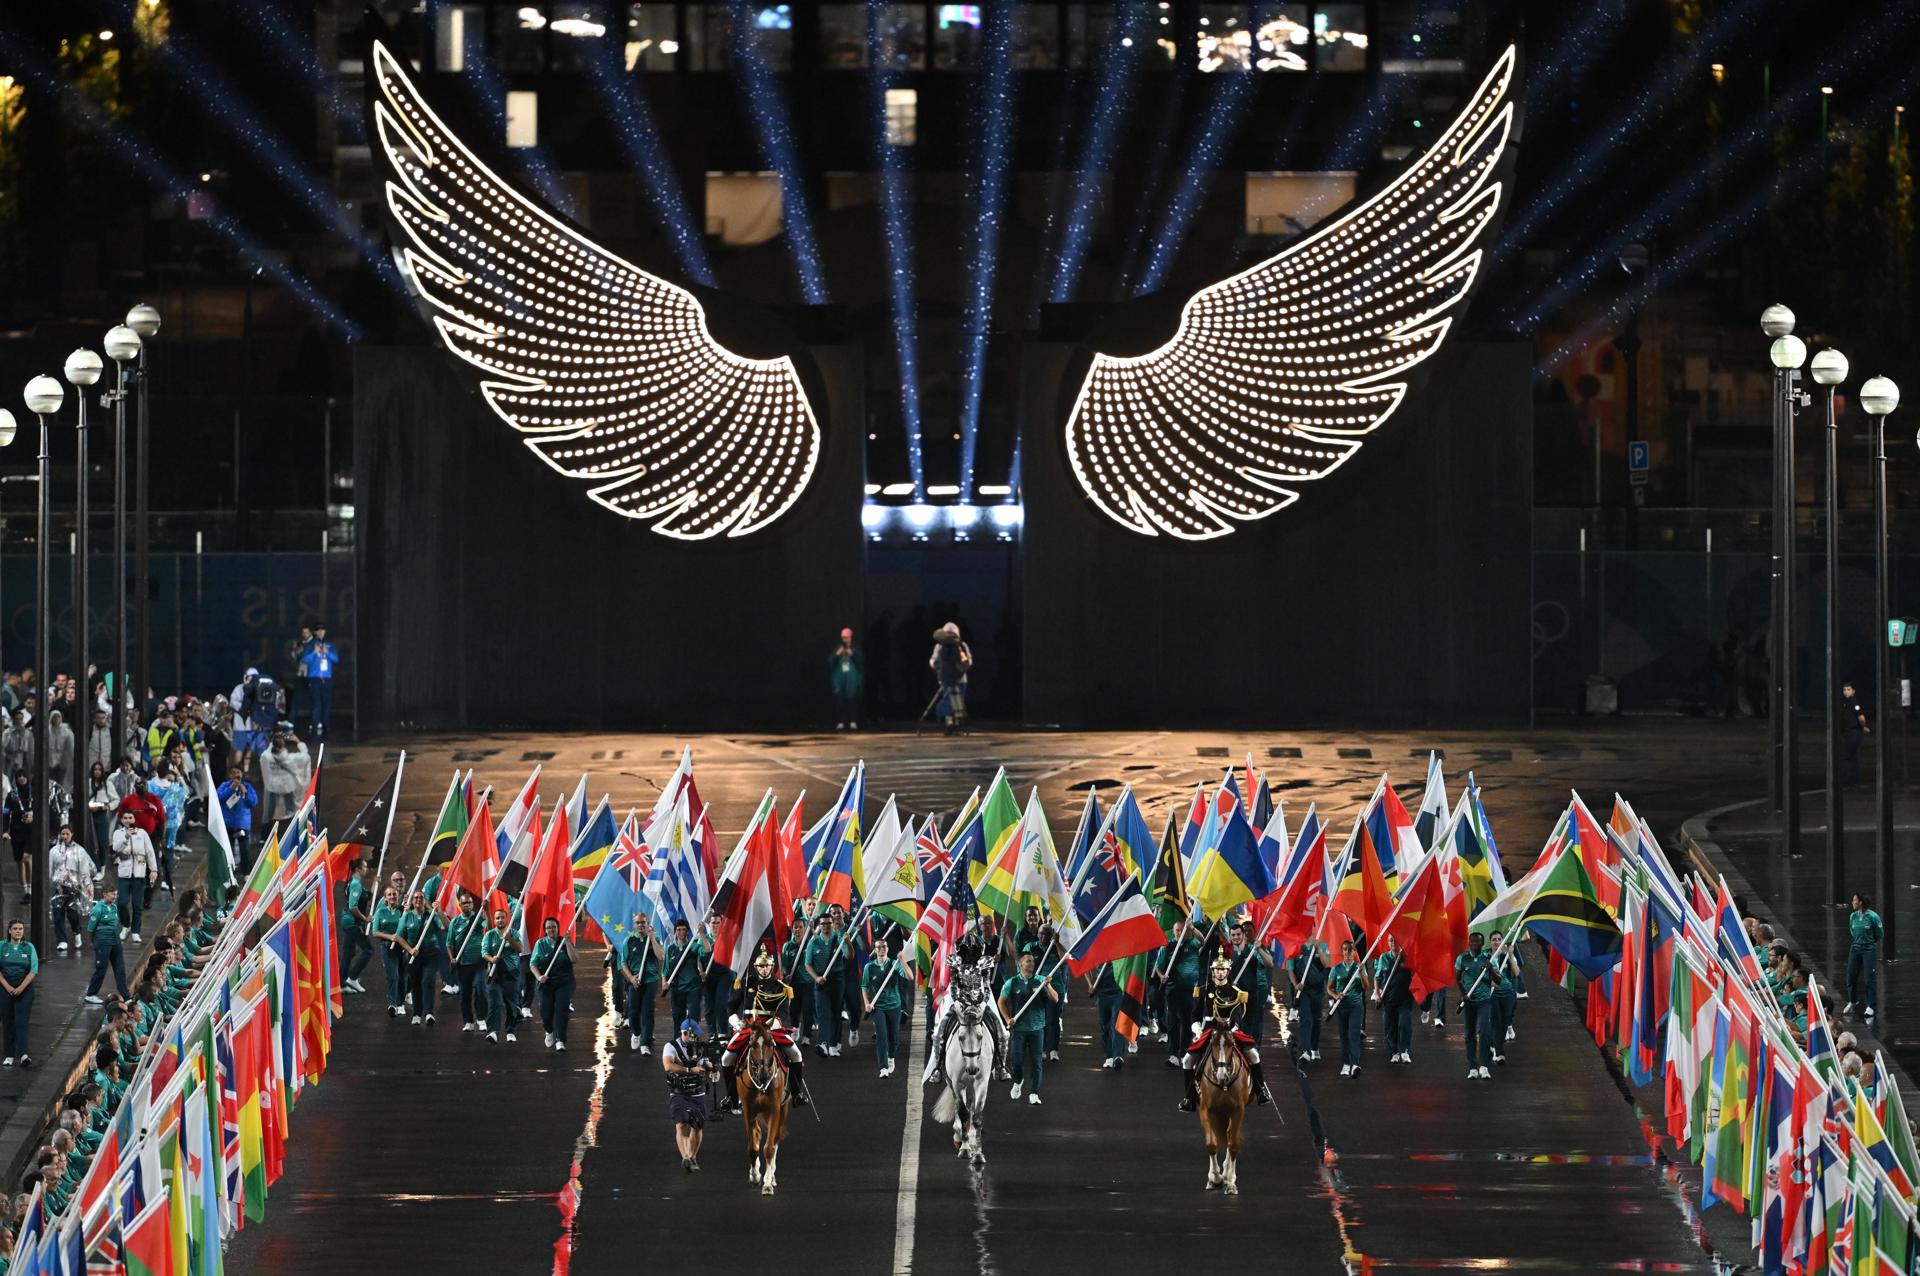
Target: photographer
pixel 687 1066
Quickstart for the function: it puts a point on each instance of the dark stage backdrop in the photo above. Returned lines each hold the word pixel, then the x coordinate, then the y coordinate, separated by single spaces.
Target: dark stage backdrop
pixel 1395 591
pixel 494 593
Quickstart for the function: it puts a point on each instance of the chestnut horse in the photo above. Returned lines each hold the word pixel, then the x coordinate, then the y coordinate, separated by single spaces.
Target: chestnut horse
pixel 1225 1087
pixel 764 1103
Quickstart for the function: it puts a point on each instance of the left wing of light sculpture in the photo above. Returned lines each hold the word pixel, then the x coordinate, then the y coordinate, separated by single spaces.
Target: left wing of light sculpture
pixel 609 369
pixel 1276 374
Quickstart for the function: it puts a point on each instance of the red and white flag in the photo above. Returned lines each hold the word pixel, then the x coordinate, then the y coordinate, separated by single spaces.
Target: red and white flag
pixel 743 900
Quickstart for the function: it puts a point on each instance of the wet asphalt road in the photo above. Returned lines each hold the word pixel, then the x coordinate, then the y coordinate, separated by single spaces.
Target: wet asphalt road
pixel 432 1151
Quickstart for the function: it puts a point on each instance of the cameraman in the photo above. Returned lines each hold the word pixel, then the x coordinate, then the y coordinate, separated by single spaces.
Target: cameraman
pixel 685 1060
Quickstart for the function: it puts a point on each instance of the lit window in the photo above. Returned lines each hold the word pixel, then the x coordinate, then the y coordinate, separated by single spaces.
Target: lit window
pixel 1340 37
pixel 843 37
pixel 523 118
pixel 1280 42
pixel 1285 205
pixel 743 209
pixel 1223 42
pixel 957 37
pixel 903 117
pixel 651 37
pixel 453 26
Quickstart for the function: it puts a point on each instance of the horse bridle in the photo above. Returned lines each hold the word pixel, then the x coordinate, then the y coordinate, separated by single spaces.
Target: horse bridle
pixel 1222 1070
pixel 972 1015
pixel 762 1068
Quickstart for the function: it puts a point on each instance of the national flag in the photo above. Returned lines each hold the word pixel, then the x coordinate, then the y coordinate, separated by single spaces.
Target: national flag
pixel 221 875
pixel 1420 922
pixel 1598 853
pixel 148 1242
pixel 743 898
pixel 1195 828
pixel 832 843
pixel 790 883
pixel 992 881
pixel 1899 1132
pixel 1730 1104
pixel 450 828
pixel 1229 871
pixel 546 888
pixel 1820 1051
pixel 265 869
pixel 1778 1192
pixel 527 848
pixel 1654 969
pixel 1871 1138
pixel 1130 973
pixel 524 811
pixel 592 843
pixel 931 861
pixel 1480 876
pixel 1111 918
pixel 366 833
pixel 966 842
pixel 1393 835
pixel 1364 896
pixel 618 893
pixel 891 888
pixel 1167 886
pixel 1293 911
pixel 1259 801
pixel 1432 815
pixel 1567 914
pixel 1036 873
pixel 943 921
pixel 475 863
pixel 676 879
pixel 1730 937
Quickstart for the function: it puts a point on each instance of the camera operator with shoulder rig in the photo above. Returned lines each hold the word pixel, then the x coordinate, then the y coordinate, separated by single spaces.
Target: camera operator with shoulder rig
pixel 689 1065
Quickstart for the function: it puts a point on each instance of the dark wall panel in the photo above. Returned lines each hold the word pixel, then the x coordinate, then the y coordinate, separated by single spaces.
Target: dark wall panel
pixel 1396 591
pixel 495 593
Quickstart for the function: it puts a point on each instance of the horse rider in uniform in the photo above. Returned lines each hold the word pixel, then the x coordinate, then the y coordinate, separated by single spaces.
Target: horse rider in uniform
pixel 764 996
pixel 1222 1007
pixel 970 971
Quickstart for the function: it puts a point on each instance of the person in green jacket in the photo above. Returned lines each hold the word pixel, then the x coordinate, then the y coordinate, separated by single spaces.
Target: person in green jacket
pixel 825 964
pixel 463 949
pixel 884 987
pixel 1020 1005
pixel 553 970
pixel 103 925
pixel 1352 984
pixel 356 950
pixel 1506 997
pixel 385 932
pixel 423 936
pixel 1183 979
pixel 792 970
pixel 1475 976
pixel 1864 928
pixel 641 965
pixel 683 972
pixel 500 950
pixel 19 967
pixel 1253 973
pixel 1309 974
pixel 844 669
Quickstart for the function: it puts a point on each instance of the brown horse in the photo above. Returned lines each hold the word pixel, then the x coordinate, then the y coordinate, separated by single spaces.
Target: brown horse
pixel 1225 1087
pixel 764 1103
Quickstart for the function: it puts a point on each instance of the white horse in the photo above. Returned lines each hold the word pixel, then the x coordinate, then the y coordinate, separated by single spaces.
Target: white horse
pixel 969 1072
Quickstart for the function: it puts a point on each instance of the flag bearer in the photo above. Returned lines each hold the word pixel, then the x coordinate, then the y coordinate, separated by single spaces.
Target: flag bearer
pixel 1183 981
pixel 791 961
pixel 463 944
pixel 1473 972
pixel 828 974
pixel 641 965
pixel 1352 985
pixel 1309 976
pixel 683 972
pixel 423 935
pixel 1022 995
pixel 885 987
pixel 500 949
pixel 385 929
pixel 1506 998
pixel 553 970
pixel 1394 981
pixel 1254 976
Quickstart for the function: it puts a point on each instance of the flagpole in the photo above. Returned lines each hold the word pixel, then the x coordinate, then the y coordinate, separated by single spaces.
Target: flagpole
pixel 386 834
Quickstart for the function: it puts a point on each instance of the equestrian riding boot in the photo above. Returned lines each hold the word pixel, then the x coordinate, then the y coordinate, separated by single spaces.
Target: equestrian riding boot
pixel 797 1083
pixel 727 1097
pixel 1259 1077
pixel 1192 1102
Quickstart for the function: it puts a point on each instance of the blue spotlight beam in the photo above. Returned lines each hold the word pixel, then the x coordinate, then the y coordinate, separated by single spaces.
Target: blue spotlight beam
pixel 1230 98
pixel 1748 143
pixel 767 106
pixel 896 217
pixel 490 91
pixel 1695 252
pixel 1654 104
pixel 222 103
pixel 633 125
pixel 1112 101
pixel 997 93
pixel 279 28
pixel 45 77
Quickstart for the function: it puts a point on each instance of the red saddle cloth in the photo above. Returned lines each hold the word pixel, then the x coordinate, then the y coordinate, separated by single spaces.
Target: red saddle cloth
pixel 1240 1039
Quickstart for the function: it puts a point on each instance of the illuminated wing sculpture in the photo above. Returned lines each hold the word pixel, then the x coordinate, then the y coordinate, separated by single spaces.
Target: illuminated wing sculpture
pixel 608 370
pixel 1276 374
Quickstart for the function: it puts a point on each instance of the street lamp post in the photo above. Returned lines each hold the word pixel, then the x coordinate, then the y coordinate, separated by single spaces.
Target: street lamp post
pixel 122 345
pixel 145 322
pixel 83 373
pixel 1787 354
pixel 1880 396
pixel 44 397
pixel 1829 370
